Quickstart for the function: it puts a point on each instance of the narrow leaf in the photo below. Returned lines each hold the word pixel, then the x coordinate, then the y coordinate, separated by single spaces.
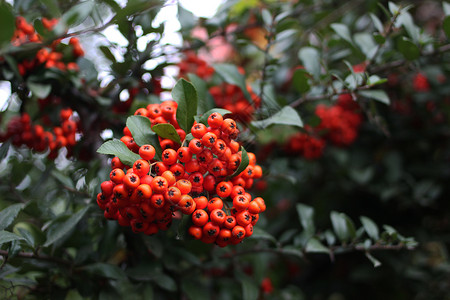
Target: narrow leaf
pixel 186 96
pixel 167 131
pixel 118 148
pixel 311 60
pixel 343 31
pixel 57 231
pixel 378 95
pixel 39 90
pixel 259 234
pixel 315 246
pixel 286 116
pixel 340 226
pixel 7 23
pixel 105 270
pixel 244 163
pixel 306 216
pixel 6 236
pixel 370 227
pixel 376 263
pixel 8 215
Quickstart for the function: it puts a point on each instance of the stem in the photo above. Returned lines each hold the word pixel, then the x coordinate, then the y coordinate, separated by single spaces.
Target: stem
pixel 42 257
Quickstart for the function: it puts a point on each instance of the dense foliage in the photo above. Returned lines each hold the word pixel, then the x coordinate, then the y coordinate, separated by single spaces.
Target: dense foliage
pixel 300 151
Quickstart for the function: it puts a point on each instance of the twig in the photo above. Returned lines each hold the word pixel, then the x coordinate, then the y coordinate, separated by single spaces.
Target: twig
pixel 42 257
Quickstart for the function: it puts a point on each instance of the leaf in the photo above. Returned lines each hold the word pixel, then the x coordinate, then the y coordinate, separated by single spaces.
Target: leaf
pixel 378 95
pixel 446 7
pixel 165 282
pixel 118 148
pixel 6 237
pixel 167 131
pixel 370 227
pixel 366 43
pixel 286 116
pixel 231 74
pixel 377 23
pixel 342 226
pixel 290 250
pixel 105 270
pixel 393 8
pixel 190 286
pixel 39 90
pixel 409 50
pixel 107 53
pixel 7 23
pixel 4 149
pixel 300 81
pixel 185 95
pixel 57 231
pixel 376 262
pixel 343 31
pixel 258 234
pixel 205 116
pixel 77 13
pixel 446 26
pixel 140 128
pixel 306 217
pixel 8 215
pixel 33 235
pixel 311 60
pixel 244 163
pixel 201 87
pixel 250 290
pixel 315 246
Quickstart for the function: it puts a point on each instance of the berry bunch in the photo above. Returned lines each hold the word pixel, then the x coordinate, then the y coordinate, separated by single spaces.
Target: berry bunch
pixel 196 178
pixel 231 97
pixel 339 124
pixel 193 64
pixel 51 57
pixel 22 132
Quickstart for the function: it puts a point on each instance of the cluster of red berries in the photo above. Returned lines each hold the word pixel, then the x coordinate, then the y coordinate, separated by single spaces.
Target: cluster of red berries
pixel 193 64
pixel 51 57
pixel 339 124
pixel 420 83
pixel 231 97
pixel 21 131
pixel 193 178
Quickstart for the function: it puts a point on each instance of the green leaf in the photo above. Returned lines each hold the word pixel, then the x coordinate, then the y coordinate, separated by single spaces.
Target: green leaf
pixel 446 26
pixel 167 131
pixel 310 58
pixel 57 231
pixel 290 250
pixel 7 23
pixel 376 262
pixel 315 246
pixel 8 215
pixel 140 128
pixel 201 87
pixel 286 116
pixel 366 43
pixel 343 31
pixel 6 237
pixel 300 81
pixel 446 7
pixel 118 148
pixel 250 290
pixel 260 234
pixel 231 74
pixel 107 53
pixel 306 217
pixel 165 282
pixel 370 227
pixel 377 23
pixel 105 270
pixel 342 226
pixel 39 90
pixel 77 14
pixel 190 286
pixel 409 50
pixel 393 8
pixel 205 116
pixel 33 235
pixel 378 95
pixel 244 163
pixel 185 95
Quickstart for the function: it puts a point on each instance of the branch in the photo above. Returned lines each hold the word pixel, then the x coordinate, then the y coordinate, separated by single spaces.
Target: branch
pixel 42 257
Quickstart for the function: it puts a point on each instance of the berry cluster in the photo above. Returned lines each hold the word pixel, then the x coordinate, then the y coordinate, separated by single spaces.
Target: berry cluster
pixel 339 124
pixel 195 178
pixel 193 64
pixel 21 131
pixel 231 97
pixel 52 57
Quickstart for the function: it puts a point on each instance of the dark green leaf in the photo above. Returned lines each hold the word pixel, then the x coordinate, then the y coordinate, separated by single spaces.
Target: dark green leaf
pixel 57 231
pixel 4 149
pixel 63 179
pixel 315 246
pixel 231 74
pixel 300 81
pixel 107 53
pixel 260 234
pixel 342 226
pixel 370 227
pixel 343 31
pixel 250 290
pixel 77 14
pixel 165 282
pixel 119 149
pixel 190 286
pixel 446 26
pixel 201 87
pixel 33 235
pixel 7 23
pixel 140 128
pixel 8 215
pixel 52 7
pixel 204 118
pixel 6 237
pixel 378 95
pixel 105 270
pixel 409 50
pixel 306 216
pixel 186 96
pixel 286 116
pixel 167 131
pixel 310 58
pixel 244 163
pixel 39 90
pixel 290 250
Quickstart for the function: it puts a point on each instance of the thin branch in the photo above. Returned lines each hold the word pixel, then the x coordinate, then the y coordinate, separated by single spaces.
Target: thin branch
pixel 42 257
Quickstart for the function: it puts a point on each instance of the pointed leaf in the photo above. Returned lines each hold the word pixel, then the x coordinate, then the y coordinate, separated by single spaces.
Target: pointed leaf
pixel 140 128
pixel 244 163
pixel 315 246
pixel 7 23
pixel 259 234
pixel 300 81
pixel 286 116
pixel 167 131
pixel 343 31
pixel 185 95
pixel 310 58
pixel 118 148
pixel 370 227
pixel 201 87
pixel 39 90
pixel 376 262
pixel 378 95
pixel 342 226
pixel 6 237
pixel 8 215
pixel 306 216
